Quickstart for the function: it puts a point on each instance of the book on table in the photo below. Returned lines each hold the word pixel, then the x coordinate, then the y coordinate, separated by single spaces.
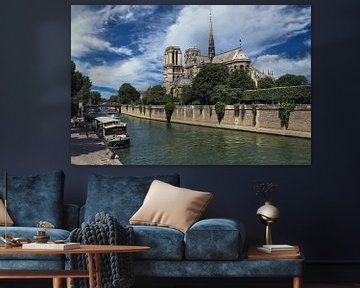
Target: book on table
pixel 278 249
pixel 51 246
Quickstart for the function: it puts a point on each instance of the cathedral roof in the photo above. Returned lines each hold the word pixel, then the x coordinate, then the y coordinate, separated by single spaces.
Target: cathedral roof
pixel 234 55
pixel 183 81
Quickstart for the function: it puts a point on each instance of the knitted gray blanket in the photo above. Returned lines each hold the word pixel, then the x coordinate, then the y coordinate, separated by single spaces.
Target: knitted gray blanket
pixel 116 268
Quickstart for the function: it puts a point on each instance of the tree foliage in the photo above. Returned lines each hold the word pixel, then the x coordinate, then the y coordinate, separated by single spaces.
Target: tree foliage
pixel 127 94
pixel 169 109
pixel 186 95
pixel 204 83
pixel 240 79
pixel 266 82
pixel 220 110
pixel 297 94
pixel 156 95
pixel 291 80
pixel 95 97
pixel 226 94
pixel 80 89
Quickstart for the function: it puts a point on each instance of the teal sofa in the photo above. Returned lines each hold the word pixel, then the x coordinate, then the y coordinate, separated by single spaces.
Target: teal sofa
pixel 32 199
pixel 210 248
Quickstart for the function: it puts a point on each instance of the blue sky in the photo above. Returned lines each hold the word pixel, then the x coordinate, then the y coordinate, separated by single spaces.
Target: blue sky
pixel 125 43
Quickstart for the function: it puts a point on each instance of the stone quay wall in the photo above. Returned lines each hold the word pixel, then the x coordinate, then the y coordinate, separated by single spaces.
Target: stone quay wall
pixel 265 120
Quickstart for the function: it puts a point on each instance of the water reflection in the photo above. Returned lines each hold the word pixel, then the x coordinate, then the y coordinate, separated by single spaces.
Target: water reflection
pixel 160 143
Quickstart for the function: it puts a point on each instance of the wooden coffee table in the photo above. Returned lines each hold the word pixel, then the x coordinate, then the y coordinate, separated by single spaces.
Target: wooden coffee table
pixel 253 254
pixel 92 251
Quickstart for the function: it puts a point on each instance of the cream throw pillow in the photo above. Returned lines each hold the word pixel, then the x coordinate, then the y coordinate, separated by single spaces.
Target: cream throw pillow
pixel 170 206
pixel 9 221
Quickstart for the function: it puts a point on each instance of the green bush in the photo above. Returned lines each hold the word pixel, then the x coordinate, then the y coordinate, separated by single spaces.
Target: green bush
pixel 296 94
pixel 169 109
pixel 284 113
pixel 254 111
pixel 236 110
pixel 220 110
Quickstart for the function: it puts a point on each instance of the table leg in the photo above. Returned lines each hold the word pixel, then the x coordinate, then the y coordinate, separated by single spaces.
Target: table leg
pixel 98 270
pixel 297 282
pixel 57 283
pixel 68 282
pixel 91 270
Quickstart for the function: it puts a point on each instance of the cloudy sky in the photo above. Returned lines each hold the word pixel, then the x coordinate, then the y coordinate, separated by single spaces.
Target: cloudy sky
pixel 125 44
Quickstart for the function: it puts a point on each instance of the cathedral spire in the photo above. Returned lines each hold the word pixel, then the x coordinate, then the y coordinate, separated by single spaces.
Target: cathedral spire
pixel 211 51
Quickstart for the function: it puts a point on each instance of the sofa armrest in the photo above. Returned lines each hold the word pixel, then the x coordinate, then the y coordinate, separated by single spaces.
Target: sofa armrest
pixel 71 216
pixel 215 239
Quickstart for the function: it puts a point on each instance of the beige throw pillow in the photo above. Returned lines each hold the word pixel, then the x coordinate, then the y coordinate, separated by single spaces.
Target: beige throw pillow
pixel 9 221
pixel 170 206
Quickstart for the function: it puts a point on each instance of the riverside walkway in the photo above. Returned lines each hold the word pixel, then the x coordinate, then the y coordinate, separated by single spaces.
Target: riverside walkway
pixel 90 150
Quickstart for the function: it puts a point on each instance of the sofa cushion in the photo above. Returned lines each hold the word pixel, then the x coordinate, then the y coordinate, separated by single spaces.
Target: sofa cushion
pixel 120 196
pixel 214 239
pixel 9 221
pixel 165 243
pixel 170 206
pixel 29 232
pixel 35 198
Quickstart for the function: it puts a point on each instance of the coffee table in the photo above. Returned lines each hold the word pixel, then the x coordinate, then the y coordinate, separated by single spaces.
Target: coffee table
pixel 293 259
pixel 94 267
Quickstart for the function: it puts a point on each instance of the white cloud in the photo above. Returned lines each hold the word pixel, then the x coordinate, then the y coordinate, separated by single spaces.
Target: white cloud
pixel 87 25
pixel 280 65
pixel 259 27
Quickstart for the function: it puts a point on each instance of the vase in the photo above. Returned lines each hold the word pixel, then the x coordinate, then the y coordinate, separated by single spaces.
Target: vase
pixel 41 237
pixel 268 214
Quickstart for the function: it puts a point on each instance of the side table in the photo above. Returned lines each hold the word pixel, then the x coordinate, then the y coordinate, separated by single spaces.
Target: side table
pixel 93 251
pixel 255 255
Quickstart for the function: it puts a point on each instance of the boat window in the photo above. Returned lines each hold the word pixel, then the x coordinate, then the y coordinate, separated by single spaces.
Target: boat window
pixel 115 131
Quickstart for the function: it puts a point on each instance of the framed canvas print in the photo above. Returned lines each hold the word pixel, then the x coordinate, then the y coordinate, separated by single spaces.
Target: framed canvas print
pixel 191 85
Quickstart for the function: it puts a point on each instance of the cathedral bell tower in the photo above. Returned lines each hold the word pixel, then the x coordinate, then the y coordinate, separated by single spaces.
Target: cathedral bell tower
pixel 211 50
pixel 173 68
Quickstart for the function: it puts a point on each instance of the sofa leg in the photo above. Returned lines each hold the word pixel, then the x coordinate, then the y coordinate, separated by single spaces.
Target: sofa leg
pixel 297 282
pixel 68 282
pixel 57 283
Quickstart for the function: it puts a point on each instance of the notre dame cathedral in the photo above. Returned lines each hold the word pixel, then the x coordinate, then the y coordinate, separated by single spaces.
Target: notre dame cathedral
pixel 177 75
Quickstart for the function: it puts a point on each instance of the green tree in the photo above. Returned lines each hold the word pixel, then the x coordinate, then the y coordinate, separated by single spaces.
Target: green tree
pixel 204 83
pixel 156 95
pixel 291 80
pixel 80 89
pixel 95 97
pixel 266 82
pixel 127 94
pixel 186 95
pixel 240 79
pixel 226 94
pixel 220 110
pixel 113 98
pixel 169 109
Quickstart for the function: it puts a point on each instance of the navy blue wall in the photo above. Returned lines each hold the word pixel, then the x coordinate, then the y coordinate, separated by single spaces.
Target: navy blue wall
pixel 318 203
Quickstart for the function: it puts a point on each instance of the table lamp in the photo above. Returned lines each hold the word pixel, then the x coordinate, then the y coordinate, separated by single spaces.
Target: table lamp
pixel 268 214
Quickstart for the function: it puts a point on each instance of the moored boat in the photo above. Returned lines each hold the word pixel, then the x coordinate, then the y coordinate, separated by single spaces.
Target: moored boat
pixel 112 131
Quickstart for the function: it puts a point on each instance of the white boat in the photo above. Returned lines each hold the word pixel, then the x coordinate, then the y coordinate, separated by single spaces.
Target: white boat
pixel 112 131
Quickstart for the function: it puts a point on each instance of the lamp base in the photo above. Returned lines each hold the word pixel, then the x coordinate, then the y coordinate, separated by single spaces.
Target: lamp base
pixel 268 237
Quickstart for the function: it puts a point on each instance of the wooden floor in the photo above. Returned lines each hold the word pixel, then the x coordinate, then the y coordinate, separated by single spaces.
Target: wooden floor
pixel 45 283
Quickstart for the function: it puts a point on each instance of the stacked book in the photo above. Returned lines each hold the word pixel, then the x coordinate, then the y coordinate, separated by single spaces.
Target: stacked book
pixel 279 249
pixel 51 246
pixel 265 252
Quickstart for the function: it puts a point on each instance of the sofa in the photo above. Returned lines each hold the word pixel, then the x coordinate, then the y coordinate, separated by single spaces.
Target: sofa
pixel 32 199
pixel 208 248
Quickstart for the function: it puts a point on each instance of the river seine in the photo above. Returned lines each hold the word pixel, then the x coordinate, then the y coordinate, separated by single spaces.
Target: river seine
pixel 160 143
